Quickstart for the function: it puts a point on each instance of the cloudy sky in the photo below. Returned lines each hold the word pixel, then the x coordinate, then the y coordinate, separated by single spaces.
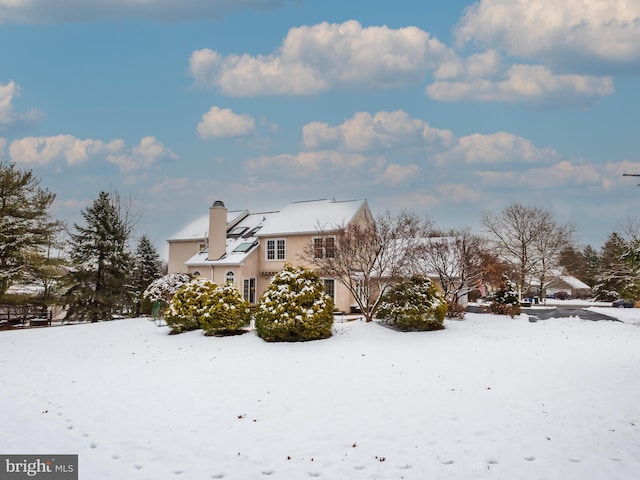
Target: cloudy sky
pixel 447 107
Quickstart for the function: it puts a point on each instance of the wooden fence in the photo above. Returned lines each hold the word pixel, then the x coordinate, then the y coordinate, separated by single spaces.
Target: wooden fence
pixel 34 315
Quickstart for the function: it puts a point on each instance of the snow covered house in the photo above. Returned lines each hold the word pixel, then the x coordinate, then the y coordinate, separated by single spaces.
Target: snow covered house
pixel 567 285
pixel 561 284
pixel 248 249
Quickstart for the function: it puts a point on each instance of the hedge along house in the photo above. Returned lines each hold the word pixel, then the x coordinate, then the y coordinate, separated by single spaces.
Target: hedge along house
pixel 248 249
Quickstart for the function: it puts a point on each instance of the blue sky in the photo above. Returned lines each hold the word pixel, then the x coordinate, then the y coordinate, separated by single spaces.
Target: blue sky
pixel 447 107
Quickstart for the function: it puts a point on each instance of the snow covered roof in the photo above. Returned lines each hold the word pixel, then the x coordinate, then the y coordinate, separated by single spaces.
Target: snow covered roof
pixel 574 283
pixel 244 229
pixel 241 241
pixel 306 217
pixel 198 228
pixel 557 276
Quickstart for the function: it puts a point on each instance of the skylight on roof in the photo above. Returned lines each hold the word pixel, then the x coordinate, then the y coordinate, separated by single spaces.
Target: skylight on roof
pixel 238 231
pixel 244 247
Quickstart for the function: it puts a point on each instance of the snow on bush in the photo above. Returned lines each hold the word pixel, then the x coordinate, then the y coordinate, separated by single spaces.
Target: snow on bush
pixel 188 305
pixel 506 301
pixel 164 288
pixel 295 307
pixel 226 313
pixel 413 305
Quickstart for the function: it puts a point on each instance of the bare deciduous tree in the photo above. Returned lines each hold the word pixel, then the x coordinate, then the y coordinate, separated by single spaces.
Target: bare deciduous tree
pixel 369 256
pixel 548 247
pixel 458 258
pixel 528 237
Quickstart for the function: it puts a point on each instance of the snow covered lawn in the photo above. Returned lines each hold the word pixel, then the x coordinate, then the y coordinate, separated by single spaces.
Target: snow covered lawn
pixel 488 397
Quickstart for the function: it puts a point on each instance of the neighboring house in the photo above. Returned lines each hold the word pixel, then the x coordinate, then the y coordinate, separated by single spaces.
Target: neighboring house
pixel 568 285
pixel 248 249
pixel 562 284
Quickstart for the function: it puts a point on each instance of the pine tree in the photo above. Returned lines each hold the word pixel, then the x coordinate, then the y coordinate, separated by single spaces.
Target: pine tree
pixel 102 263
pixel 592 265
pixel 147 267
pixel 611 277
pixel 26 224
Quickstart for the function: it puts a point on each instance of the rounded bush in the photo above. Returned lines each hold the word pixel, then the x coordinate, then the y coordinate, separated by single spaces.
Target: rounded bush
pixel 413 305
pixel 505 301
pixel 294 308
pixel 227 312
pixel 188 305
pixel 164 288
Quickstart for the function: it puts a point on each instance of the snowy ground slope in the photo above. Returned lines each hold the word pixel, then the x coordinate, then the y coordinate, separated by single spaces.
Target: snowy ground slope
pixel 488 397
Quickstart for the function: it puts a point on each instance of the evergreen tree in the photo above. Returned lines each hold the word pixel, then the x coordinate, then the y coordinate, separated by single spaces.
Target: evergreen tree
pixel 147 267
pixel 591 261
pixel 610 279
pixel 102 263
pixel 26 224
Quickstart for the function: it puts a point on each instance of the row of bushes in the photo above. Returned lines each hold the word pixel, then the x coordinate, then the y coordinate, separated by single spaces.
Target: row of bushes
pixel 294 307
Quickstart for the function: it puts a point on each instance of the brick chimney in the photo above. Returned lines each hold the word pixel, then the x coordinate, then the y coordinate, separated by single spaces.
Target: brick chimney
pixel 217 230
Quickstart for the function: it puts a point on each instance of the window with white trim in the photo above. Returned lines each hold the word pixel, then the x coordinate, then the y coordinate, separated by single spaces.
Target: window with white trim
pixel 324 247
pixel 276 249
pixel 230 277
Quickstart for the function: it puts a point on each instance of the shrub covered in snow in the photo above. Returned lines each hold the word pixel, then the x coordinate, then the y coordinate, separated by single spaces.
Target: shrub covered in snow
pixel 226 313
pixel 413 305
pixel 188 305
pixel 505 301
pixel 164 288
pixel 295 307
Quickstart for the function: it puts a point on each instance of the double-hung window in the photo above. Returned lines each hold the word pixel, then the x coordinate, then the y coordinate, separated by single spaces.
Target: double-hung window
pixel 324 247
pixel 276 249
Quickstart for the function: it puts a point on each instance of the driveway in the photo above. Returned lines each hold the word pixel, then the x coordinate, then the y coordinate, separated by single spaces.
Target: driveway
pixel 564 312
pixel 559 311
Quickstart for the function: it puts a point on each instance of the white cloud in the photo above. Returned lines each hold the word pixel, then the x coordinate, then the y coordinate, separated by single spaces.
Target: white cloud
pixel 8 116
pixel 395 174
pixel 383 130
pixel 222 122
pixel 458 193
pixel 44 150
pixel 3 147
pixel 561 174
pixel 523 83
pixel 74 151
pixel 479 65
pixel 84 10
pixel 318 57
pixel 500 147
pixel 147 153
pixel 557 32
pixel 317 166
